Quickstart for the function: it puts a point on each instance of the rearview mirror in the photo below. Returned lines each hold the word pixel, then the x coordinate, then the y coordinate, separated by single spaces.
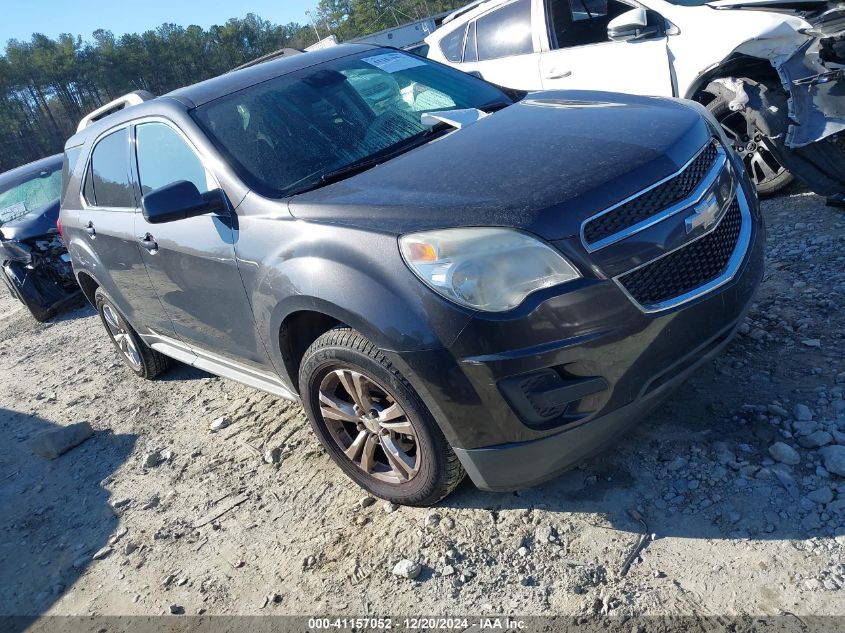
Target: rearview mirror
pixel 179 200
pixel 631 26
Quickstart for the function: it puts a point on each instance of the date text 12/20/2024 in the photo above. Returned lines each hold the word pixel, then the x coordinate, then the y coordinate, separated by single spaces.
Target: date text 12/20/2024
pixel 504 623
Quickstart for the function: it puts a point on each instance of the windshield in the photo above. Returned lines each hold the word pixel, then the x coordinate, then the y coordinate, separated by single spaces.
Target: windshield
pixel 285 134
pixel 29 193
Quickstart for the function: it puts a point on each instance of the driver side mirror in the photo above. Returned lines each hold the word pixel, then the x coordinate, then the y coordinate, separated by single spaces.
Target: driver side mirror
pixel 631 26
pixel 180 200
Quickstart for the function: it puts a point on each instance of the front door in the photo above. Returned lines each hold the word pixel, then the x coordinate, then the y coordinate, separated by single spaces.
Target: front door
pixel 581 56
pixel 192 261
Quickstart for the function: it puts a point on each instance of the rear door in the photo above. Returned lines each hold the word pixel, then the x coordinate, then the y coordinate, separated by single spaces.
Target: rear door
pixel 502 47
pixel 578 54
pixel 106 215
pixel 192 262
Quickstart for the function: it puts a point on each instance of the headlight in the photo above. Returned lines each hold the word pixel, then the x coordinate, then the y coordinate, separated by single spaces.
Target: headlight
pixel 487 269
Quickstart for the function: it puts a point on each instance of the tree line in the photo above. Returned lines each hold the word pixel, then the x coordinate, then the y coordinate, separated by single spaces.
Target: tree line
pixel 47 85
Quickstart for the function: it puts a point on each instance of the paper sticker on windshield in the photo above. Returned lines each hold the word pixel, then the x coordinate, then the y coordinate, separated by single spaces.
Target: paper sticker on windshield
pixel 13 212
pixel 394 62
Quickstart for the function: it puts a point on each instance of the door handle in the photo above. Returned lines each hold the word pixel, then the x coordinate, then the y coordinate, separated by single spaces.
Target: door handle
pixel 554 73
pixel 89 228
pixel 148 241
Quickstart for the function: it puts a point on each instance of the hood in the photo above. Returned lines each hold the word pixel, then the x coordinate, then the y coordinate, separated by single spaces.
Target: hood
pixel 41 221
pixel 543 165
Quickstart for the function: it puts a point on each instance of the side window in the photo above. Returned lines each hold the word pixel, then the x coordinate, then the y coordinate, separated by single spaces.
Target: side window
pixel 107 180
pixel 164 157
pixel 581 22
pixel 470 51
pixel 505 32
pixel 452 45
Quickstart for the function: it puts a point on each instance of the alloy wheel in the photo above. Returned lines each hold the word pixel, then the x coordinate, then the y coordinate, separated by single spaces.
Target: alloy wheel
pixel 121 337
pixel 369 426
pixel 761 164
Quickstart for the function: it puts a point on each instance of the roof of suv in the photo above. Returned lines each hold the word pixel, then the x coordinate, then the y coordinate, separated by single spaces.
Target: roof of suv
pixel 472 9
pixel 461 16
pixel 210 89
pixel 216 87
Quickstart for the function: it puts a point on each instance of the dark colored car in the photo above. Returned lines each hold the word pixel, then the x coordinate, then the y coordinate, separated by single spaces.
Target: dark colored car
pixel 36 266
pixel 451 278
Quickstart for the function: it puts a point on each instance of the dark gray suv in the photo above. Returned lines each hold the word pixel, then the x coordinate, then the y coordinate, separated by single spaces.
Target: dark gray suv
pixel 450 277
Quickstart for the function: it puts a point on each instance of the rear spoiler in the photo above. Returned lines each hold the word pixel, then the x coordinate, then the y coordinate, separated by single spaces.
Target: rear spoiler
pixel 126 101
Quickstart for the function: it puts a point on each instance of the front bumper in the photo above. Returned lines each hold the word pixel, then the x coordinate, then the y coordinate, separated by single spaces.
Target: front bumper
pixel 523 464
pixel 615 361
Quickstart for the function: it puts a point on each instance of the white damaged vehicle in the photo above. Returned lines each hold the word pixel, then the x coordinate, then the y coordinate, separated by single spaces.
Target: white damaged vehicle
pixel 771 71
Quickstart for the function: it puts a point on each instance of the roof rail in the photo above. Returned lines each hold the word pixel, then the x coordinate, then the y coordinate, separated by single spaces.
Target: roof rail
pixel 461 10
pixel 282 52
pixel 126 101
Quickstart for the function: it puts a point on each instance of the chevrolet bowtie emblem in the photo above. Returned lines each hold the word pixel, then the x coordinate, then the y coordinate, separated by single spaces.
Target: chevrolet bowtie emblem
pixel 705 213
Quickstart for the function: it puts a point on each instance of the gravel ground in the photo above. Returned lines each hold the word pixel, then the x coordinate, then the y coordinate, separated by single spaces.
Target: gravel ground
pixel 730 488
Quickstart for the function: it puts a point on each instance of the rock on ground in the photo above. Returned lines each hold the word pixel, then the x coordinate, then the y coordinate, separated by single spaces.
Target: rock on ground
pixel 58 441
pixel 407 569
pixel 834 459
pixel 784 453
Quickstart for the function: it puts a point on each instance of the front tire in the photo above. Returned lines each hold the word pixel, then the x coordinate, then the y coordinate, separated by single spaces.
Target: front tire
pixel 767 174
pixel 135 354
pixel 373 424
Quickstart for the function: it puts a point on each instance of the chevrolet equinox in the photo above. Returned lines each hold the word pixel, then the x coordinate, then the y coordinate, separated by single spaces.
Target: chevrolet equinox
pixel 450 277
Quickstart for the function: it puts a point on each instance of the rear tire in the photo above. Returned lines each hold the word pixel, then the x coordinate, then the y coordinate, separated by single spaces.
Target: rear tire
pixel 767 174
pixel 393 449
pixel 135 354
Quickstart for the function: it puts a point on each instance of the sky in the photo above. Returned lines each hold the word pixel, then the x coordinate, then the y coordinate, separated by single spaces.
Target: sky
pixel 21 18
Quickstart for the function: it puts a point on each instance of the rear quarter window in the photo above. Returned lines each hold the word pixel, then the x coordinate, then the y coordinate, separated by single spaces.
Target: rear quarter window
pixel 470 49
pixel 452 45
pixel 68 165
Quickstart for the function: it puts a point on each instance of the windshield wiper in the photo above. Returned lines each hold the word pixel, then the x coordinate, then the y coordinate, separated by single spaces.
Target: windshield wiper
pixel 496 106
pixel 376 159
pixel 347 170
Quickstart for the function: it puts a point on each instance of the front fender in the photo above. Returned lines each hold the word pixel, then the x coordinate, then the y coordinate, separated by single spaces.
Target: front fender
pixel 710 37
pixel 357 277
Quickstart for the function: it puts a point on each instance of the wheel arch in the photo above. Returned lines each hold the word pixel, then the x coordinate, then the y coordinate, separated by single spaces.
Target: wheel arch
pixel 297 331
pixel 738 65
pixel 300 320
pixel 88 284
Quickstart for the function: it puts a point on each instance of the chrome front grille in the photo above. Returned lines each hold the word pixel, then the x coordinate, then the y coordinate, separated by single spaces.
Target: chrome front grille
pixel 687 268
pixel 645 205
pixel 705 199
